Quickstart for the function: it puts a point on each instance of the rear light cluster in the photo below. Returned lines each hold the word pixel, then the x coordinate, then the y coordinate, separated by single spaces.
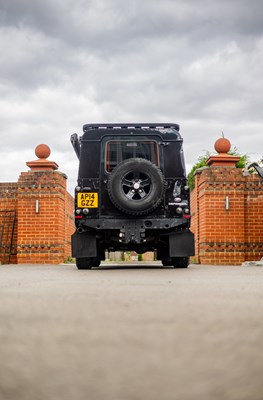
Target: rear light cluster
pixel 81 211
pixel 182 206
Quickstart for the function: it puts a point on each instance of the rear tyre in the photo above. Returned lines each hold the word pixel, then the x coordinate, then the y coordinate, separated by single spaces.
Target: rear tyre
pixel 180 262
pixel 87 262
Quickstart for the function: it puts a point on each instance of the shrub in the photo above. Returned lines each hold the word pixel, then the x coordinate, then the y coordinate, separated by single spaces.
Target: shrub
pixel 201 162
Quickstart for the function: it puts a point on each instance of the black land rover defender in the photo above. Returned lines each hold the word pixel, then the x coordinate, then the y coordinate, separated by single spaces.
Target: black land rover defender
pixel 132 193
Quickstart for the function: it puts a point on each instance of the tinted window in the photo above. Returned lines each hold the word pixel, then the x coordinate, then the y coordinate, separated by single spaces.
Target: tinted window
pixel 117 151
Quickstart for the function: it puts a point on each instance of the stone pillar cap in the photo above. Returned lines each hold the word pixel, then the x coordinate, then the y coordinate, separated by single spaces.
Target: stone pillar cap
pixel 42 151
pixel 222 147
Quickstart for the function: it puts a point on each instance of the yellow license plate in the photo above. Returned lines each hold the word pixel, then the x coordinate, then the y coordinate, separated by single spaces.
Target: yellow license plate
pixel 88 200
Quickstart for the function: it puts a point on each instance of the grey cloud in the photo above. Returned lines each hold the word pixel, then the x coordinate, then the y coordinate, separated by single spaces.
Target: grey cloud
pixel 96 24
pixel 66 63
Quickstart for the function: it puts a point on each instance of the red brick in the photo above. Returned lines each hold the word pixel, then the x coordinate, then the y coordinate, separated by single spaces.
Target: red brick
pixel 241 224
pixel 52 225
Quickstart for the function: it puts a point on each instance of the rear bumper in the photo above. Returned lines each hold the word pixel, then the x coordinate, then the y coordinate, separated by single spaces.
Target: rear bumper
pixel 142 223
pixel 133 234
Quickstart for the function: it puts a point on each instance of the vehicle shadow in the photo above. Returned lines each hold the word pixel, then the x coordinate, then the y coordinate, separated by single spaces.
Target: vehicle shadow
pixel 135 266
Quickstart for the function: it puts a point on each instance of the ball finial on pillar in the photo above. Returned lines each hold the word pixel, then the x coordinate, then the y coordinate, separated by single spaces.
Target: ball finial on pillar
pixel 222 145
pixel 42 151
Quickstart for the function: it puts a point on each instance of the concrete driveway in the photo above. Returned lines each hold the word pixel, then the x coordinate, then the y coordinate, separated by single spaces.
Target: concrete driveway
pixel 130 333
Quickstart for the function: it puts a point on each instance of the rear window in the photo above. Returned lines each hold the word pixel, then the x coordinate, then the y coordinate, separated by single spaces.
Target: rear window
pixel 117 151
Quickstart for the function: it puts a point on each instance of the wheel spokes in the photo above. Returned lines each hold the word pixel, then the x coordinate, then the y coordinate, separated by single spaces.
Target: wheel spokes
pixel 130 195
pixel 145 182
pixel 142 193
pixel 136 185
pixel 127 182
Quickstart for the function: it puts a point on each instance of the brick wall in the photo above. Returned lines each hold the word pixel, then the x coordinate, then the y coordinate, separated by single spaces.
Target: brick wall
pixel 227 236
pixel 43 218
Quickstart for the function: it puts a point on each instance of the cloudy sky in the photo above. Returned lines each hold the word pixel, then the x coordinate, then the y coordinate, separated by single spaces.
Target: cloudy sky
pixel 64 63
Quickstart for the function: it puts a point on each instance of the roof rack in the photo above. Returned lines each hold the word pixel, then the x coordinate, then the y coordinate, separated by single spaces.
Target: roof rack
pixel 86 127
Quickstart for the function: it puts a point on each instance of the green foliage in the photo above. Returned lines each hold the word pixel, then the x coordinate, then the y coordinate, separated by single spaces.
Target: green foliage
pixel 244 159
pixel 69 260
pixel 201 162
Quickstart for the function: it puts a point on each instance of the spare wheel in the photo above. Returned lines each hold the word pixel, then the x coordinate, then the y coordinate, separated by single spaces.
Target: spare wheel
pixel 136 186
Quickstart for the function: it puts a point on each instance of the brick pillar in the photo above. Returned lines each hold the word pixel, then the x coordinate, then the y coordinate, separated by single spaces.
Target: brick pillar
pixel 227 212
pixel 45 220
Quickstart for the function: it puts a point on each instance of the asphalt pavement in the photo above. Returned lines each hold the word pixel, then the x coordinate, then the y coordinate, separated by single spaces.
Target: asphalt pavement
pixel 131 332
